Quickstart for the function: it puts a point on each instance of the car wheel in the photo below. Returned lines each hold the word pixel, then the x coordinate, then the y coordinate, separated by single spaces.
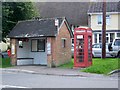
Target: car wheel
pixel 118 55
pixel 92 56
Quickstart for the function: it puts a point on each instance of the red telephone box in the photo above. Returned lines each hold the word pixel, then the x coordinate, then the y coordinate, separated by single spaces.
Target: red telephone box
pixel 82 47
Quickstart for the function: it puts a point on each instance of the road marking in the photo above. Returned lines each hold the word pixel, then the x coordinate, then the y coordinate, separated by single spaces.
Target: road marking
pixel 10 86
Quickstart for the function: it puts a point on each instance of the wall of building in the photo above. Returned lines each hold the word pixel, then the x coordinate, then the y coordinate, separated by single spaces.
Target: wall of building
pixel 25 52
pixel 51 57
pixel 112 29
pixel 112 26
pixel 13 44
pixel 59 55
pixel 118 21
pixel 39 57
pixel 62 55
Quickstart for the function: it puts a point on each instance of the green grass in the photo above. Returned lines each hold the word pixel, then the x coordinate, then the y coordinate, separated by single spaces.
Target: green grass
pixel 103 66
pixel 5 62
pixel 68 65
pixel 99 66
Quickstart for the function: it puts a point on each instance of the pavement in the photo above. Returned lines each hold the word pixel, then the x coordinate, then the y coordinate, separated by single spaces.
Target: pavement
pixel 44 70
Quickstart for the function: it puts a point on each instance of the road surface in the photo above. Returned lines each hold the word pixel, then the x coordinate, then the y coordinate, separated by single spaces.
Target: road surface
pixel 27 80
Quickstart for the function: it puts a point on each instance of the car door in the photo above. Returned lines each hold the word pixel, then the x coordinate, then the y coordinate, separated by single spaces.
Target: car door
pixel 116 45
pixel 97 50
pixel 107 51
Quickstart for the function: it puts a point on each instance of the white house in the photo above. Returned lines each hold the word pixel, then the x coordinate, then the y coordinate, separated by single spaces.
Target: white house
pixel 112 21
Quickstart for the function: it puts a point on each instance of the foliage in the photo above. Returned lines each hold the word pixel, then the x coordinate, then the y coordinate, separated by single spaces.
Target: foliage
pixel 0 21
pixel 12 12
pixel 5 62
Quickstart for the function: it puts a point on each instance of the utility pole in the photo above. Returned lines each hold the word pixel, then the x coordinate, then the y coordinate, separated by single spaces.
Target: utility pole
pixel 104 31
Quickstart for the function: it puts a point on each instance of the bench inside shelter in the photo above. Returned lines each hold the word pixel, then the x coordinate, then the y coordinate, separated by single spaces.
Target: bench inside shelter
pixel 25 61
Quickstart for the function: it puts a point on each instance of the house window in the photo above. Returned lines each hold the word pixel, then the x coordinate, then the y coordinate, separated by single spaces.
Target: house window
pixel 38 45
pixel 108 19
pixel 107 38
pixel 95 39
pixel 20 44
pixel 118 34
pixel 112 36
pixel 100 38
pixel 41 45
pixel 63 42
pixel 34 45
pixel 100 19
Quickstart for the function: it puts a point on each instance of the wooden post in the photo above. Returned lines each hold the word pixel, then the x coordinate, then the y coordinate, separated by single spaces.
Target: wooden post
pixel 104 30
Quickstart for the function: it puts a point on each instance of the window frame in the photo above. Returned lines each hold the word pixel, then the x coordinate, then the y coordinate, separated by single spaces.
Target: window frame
pixel 63 40
pixel 100 38
pixel 37 45
pixel 99 18
pixel 118 34
pixel 108 19
pixel 95 37
pixel 43 50
pixel 32 45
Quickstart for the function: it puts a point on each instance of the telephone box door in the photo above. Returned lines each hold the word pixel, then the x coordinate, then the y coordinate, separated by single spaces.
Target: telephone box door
pixel 79 50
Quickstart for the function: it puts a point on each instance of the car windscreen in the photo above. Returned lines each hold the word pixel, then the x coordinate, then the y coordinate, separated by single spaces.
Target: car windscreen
pixel 117 42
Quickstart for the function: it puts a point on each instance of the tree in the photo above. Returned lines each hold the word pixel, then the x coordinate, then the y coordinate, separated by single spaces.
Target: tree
pixel 12 12
pixel 0 21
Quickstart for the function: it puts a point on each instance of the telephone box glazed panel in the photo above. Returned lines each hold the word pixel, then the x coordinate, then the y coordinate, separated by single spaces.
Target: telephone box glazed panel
pixel 82 47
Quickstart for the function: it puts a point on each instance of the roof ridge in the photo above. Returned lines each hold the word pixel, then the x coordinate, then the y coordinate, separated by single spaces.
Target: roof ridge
pixel 53 18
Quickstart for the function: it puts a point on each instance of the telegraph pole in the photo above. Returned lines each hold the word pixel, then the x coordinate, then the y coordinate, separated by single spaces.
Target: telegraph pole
pixel 104 30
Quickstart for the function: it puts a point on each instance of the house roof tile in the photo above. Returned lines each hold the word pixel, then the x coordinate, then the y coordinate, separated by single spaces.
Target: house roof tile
pixel 110 7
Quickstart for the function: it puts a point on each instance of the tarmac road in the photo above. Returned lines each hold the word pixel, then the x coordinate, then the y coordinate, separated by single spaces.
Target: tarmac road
pixel 28 80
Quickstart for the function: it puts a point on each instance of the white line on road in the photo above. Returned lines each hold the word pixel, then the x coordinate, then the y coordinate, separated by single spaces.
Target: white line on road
pixel 10 86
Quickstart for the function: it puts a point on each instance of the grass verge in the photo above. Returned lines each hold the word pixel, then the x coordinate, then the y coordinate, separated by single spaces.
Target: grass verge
pixel 103 66
pixel 5 62
pixel 100 66
pixel 68 65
